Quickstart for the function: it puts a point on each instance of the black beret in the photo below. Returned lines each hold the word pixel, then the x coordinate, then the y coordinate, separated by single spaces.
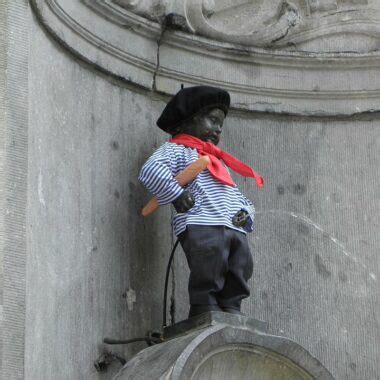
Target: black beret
pixel 189 102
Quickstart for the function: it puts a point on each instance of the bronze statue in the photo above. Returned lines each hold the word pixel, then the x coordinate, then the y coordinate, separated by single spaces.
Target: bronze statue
pixel 212 216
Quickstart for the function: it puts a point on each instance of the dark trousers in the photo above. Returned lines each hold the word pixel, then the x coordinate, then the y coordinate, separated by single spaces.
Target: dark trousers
pixel 220 265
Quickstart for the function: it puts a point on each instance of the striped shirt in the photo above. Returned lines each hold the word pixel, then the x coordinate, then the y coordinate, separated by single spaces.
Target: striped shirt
pixel 215 203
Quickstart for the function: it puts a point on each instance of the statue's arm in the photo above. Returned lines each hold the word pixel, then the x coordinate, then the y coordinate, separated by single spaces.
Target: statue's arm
pixel 156 175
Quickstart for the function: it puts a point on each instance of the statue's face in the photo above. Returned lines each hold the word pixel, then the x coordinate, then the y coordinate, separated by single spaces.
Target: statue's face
pixel 207 126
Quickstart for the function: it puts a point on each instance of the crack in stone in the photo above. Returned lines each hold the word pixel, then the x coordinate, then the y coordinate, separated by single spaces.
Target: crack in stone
pixel 283 36
pixel 159 41
pixel 171 21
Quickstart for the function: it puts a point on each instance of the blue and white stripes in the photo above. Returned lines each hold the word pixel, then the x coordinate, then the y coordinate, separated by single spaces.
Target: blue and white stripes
pixel 215 203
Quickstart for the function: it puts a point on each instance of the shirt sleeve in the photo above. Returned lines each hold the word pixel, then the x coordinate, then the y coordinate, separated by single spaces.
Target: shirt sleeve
pixel 250 209
pixel 156 175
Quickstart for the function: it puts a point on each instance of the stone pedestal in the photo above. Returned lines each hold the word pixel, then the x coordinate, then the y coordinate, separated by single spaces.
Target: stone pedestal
pixel 220 346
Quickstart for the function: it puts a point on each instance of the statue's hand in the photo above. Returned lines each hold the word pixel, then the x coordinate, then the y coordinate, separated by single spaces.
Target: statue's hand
pixel 240 218
pixel 184 202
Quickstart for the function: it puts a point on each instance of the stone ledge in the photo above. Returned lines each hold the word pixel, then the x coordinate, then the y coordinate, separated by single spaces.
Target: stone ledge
pixel 211 319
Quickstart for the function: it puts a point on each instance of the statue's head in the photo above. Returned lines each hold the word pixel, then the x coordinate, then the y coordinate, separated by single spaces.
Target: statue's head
pixel 198 111
pixel 206 126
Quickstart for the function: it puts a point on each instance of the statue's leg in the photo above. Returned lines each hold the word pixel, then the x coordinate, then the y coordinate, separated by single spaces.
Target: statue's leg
pixel 240 268
pixel 207 256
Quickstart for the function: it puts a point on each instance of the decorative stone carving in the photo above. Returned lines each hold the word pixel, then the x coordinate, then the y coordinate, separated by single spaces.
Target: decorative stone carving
pixel 158 9
pixel 264 23
pixel 279 23
pixel 152 9
pixel 243 30
pixel 133 48
pixel 322 5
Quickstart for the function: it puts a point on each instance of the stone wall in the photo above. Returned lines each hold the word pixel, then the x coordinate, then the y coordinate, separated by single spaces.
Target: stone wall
pixel 316 236
pixel 95 269
pixel 3 47
pixel 14 24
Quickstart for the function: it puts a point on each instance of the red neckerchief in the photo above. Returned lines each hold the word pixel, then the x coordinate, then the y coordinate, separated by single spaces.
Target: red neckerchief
pixel 216 154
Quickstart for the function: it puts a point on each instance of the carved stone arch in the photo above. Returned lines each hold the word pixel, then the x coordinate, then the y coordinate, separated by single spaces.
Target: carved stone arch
pixel 272 76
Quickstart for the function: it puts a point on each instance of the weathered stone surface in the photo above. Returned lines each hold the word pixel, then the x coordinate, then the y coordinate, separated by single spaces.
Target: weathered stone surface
pixel 316 240
pixel 153 9
pixel 13 184
pixel 95 268
pixel 85 153
pixel 92 261
pixel 280 24
pixel 304 78
pixel 227 349
pixel 158 9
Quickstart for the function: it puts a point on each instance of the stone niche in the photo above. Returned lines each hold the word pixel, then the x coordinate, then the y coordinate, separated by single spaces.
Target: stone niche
pixel 307 72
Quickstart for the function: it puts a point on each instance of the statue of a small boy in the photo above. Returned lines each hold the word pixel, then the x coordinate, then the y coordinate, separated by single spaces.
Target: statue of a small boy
pixel 212 216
